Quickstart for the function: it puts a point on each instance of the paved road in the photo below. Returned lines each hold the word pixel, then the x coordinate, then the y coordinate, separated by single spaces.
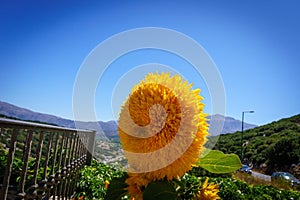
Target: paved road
pixel 261 176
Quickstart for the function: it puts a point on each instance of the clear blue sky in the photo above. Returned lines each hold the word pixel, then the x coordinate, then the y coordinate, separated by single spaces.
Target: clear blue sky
pixel 255 45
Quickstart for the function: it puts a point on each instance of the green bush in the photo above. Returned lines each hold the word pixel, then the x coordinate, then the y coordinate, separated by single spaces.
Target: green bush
pixel 92 179
pixel 231 189
pixel 91 185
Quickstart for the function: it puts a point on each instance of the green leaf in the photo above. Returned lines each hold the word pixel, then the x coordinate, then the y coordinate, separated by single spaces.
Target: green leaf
pixel 116 189
pixel 159 190
pixel 218 162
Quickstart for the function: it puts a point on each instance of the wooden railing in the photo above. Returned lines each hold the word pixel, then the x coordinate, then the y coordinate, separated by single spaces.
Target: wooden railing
pixel 41 161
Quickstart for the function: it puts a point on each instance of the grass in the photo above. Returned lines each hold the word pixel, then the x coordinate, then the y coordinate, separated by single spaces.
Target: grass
pixel 251 180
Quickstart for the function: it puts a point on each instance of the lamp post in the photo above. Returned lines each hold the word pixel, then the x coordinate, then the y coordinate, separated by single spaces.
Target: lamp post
pixel 251 111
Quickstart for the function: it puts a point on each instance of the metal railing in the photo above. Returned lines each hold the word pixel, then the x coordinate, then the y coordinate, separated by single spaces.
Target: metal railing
pixel 40 161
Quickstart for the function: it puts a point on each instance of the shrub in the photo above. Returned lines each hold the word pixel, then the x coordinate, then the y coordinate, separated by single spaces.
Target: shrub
pixel 93 179
pixel 92 185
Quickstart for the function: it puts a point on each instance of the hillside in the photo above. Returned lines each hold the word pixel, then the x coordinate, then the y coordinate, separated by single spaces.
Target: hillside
pixel 271 147
pixel 16 112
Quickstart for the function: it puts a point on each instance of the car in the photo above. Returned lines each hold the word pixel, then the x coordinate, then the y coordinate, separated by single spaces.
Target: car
pixel 285 177
pixel 246 169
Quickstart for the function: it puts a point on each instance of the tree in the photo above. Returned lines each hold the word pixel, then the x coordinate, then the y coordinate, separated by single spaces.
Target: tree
pixel 285 152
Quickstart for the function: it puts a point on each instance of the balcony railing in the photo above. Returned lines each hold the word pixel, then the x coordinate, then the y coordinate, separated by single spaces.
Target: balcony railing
pixel 40 161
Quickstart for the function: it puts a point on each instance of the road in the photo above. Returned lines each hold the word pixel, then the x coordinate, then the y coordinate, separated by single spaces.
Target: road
pixel 261 176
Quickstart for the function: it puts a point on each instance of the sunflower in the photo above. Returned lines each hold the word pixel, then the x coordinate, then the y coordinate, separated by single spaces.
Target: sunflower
pixel 162 129
pixel 208 192
pixel 106 184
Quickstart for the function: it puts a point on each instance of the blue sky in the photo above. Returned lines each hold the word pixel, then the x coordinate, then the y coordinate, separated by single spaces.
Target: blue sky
pixel 255 45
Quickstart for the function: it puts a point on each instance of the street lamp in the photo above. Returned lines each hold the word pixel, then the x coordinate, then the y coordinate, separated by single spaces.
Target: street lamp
pixel 251 111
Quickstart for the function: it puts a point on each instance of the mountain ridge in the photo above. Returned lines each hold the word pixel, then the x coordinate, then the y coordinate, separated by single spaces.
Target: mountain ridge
pixel 104 129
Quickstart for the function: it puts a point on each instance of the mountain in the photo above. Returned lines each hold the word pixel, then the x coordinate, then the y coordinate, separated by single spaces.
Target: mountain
pixel 25 114
pixel 108 129
pixel 231 125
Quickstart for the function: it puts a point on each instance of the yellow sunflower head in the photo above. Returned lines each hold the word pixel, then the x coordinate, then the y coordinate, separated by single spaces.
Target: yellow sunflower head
pixel 208 191
pixel 162 127
pixel 106 184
